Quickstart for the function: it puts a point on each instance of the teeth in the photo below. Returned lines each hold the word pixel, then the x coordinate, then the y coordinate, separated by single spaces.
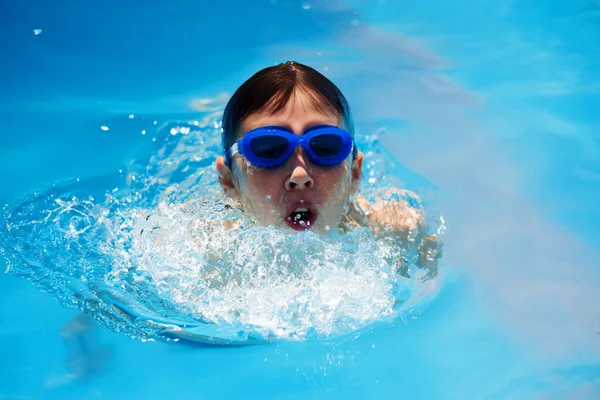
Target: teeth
pixel 301 209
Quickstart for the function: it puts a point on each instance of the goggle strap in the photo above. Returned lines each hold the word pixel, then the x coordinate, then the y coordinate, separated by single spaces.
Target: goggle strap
pixel 228 154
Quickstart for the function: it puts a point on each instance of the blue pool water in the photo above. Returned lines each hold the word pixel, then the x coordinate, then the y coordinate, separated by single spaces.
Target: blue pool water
pixel 494 105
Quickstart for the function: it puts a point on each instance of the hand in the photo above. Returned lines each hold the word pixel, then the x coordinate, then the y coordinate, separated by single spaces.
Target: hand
pixel 430 253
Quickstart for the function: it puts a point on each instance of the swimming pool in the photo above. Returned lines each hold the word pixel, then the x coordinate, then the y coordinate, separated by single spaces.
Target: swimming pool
pixel 494 105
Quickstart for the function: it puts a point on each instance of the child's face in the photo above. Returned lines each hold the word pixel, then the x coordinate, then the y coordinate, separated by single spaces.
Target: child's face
pixel 298 194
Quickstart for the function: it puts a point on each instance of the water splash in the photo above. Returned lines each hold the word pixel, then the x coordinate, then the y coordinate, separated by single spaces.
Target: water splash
pixel 162 254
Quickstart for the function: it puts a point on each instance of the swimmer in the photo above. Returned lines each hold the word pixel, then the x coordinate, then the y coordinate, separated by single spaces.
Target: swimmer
pixel 290 160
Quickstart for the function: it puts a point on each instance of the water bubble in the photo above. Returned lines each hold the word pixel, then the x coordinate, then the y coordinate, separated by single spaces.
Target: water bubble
pixel 346 208
pixel 219 272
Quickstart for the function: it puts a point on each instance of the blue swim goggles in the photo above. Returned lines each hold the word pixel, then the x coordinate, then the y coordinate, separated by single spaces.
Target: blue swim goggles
pixel 271 146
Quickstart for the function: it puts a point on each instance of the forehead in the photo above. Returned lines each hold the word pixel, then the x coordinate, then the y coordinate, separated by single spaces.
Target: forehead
pixel 298 114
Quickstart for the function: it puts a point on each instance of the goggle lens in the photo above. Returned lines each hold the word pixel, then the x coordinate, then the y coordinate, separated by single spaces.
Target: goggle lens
pixel 326 145
pixel 269 147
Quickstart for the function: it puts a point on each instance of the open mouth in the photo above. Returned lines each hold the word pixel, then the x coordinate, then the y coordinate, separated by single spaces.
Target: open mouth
pixel 301 219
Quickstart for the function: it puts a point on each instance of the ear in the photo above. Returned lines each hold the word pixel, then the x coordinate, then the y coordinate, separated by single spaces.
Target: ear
pixel 226 179
pixel 357 171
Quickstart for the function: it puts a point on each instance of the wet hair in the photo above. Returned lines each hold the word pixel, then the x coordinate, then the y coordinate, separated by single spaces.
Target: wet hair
pixel 271 88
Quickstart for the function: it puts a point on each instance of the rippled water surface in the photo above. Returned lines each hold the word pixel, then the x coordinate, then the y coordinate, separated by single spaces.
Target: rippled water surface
pixel 165 256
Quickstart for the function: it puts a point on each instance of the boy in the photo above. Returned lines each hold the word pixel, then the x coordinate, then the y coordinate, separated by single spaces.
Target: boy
pixel 290 160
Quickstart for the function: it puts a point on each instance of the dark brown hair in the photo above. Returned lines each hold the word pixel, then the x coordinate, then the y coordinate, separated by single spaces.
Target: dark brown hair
pixel 271 89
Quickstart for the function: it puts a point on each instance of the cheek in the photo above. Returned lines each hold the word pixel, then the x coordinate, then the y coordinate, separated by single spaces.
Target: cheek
pixel 257 183
pixel 335 181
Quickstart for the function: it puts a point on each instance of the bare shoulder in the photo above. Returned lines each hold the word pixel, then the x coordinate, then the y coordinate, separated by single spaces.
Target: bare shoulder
pixel 398 212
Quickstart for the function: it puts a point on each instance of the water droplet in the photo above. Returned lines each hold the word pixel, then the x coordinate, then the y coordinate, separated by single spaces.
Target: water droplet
pixel 143 132
pixel 104 127
pixel 301 201
pixel 37 31
pixel 155 122
pixel 131 116
pixel 268 198
pixel 271 211
pixel 327 227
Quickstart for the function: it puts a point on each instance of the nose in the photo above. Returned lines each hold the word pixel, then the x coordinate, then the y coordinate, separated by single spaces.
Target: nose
pixel 300 178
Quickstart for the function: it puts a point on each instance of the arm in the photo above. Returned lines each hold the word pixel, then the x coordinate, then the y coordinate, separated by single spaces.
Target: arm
pixel 399 220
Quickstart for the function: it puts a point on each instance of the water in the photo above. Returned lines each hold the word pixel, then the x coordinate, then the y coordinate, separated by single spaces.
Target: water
pixel 489 113
pixel 157 252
